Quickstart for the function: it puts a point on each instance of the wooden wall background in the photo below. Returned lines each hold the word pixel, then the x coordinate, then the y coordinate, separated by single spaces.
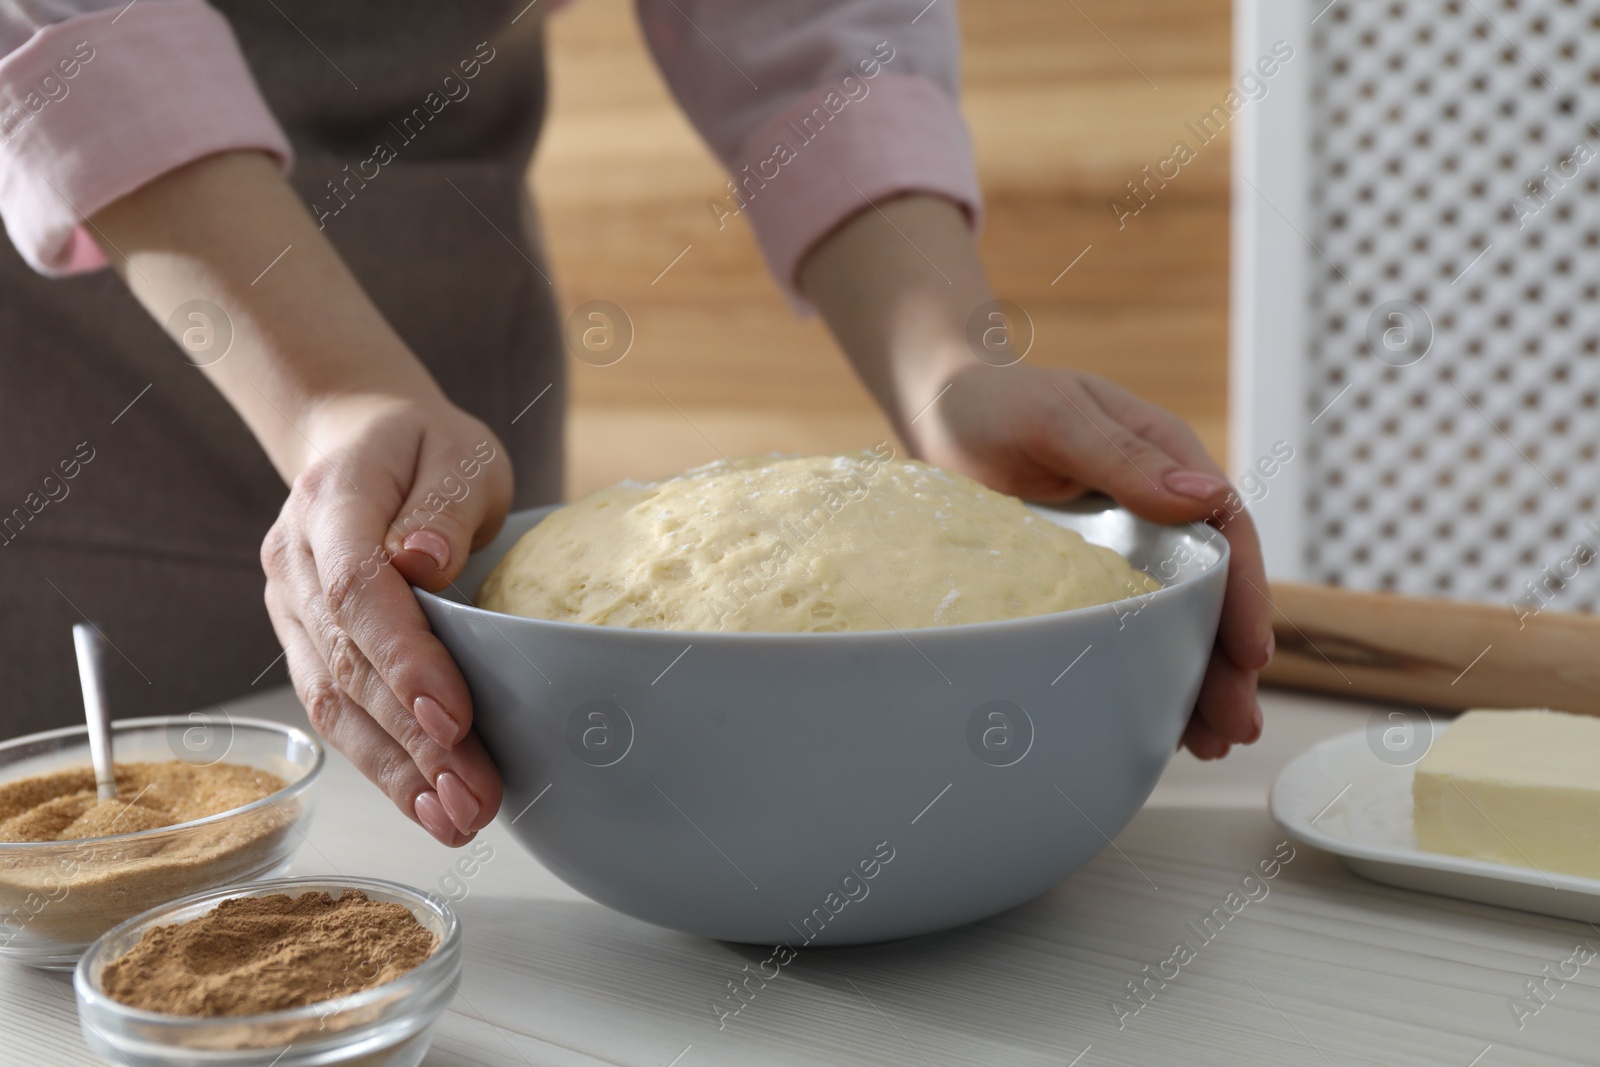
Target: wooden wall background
pixel 1067 100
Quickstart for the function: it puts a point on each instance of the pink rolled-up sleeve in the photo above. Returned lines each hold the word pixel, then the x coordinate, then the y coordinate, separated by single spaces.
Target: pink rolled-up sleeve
pixel 101 102
pixel 818 109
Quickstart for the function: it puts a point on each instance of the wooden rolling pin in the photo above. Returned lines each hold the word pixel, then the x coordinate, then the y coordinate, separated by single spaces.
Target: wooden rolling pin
pixel 1437 653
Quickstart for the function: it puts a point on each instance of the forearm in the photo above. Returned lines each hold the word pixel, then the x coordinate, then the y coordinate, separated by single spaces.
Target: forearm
pixel 303 331
pixel 897 285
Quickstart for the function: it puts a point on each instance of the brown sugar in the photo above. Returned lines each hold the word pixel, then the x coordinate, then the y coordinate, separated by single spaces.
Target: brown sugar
pixel 63 806
pixel 251 955
pixel 73 891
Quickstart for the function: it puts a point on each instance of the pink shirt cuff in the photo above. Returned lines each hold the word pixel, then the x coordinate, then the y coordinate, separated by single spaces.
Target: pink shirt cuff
pixel 98 105
pixel 828 156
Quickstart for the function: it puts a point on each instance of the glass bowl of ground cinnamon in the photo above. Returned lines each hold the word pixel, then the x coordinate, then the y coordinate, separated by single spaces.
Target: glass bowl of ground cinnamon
pixel 202 801
pixel 291 972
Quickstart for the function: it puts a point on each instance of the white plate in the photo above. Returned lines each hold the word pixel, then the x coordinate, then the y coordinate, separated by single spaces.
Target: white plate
pixel 1339 797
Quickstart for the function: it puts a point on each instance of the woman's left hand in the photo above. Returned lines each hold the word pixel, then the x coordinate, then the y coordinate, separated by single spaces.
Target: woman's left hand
pixel 1050 434
pixel 900 285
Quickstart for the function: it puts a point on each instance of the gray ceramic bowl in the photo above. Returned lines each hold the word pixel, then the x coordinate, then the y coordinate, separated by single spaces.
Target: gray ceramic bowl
pixel 838 788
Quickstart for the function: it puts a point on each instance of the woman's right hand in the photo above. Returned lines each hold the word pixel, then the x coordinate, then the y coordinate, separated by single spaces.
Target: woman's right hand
pixel 396 491
pixel 390 483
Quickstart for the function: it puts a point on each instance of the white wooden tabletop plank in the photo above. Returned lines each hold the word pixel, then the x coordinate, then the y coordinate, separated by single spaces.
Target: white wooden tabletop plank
pixel 1324 969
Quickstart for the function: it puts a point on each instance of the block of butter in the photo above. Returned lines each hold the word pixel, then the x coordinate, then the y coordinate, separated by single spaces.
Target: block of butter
pixel 1514 787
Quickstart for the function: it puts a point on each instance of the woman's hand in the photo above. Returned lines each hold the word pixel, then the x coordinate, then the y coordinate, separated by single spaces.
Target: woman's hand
pixel 899 284
pixel 1049 434
pixel 390 483
pixel 402 491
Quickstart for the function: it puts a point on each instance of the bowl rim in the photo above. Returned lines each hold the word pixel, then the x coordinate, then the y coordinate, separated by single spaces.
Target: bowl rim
pixel 1212 537
pixel 288 792
pixel 424 976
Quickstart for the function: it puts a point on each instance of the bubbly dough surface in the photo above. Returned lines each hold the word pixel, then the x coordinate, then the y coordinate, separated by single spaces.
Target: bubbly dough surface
pixel 780 545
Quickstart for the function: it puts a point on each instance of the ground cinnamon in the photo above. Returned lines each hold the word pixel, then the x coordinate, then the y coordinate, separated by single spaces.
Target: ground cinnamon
pixel 251 955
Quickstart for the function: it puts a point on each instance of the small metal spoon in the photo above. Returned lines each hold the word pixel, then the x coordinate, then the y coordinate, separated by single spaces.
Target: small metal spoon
pixel 91 654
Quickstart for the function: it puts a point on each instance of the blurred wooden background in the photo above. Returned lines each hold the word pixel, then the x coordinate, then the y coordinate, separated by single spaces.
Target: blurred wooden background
pixel 1066 103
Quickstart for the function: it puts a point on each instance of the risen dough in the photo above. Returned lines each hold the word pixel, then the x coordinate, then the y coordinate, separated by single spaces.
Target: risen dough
pixel 773 544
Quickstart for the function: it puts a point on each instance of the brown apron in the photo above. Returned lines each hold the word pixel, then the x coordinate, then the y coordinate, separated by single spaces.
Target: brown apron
pixel 156 533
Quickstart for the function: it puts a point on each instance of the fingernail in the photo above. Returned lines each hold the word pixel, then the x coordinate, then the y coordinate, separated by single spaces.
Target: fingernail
pixel 429 544
pixel 1195 484
pixel 435 721
pixel 458 800
pixel 1272 648
pixel 431 814
pixel 1256 719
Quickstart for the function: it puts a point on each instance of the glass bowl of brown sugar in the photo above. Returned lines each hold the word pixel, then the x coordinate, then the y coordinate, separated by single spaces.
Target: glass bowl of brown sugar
pixel 292 972
pixel 203 800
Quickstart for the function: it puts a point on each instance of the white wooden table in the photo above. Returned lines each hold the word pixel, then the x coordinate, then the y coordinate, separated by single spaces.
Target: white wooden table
pixel 1326 969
